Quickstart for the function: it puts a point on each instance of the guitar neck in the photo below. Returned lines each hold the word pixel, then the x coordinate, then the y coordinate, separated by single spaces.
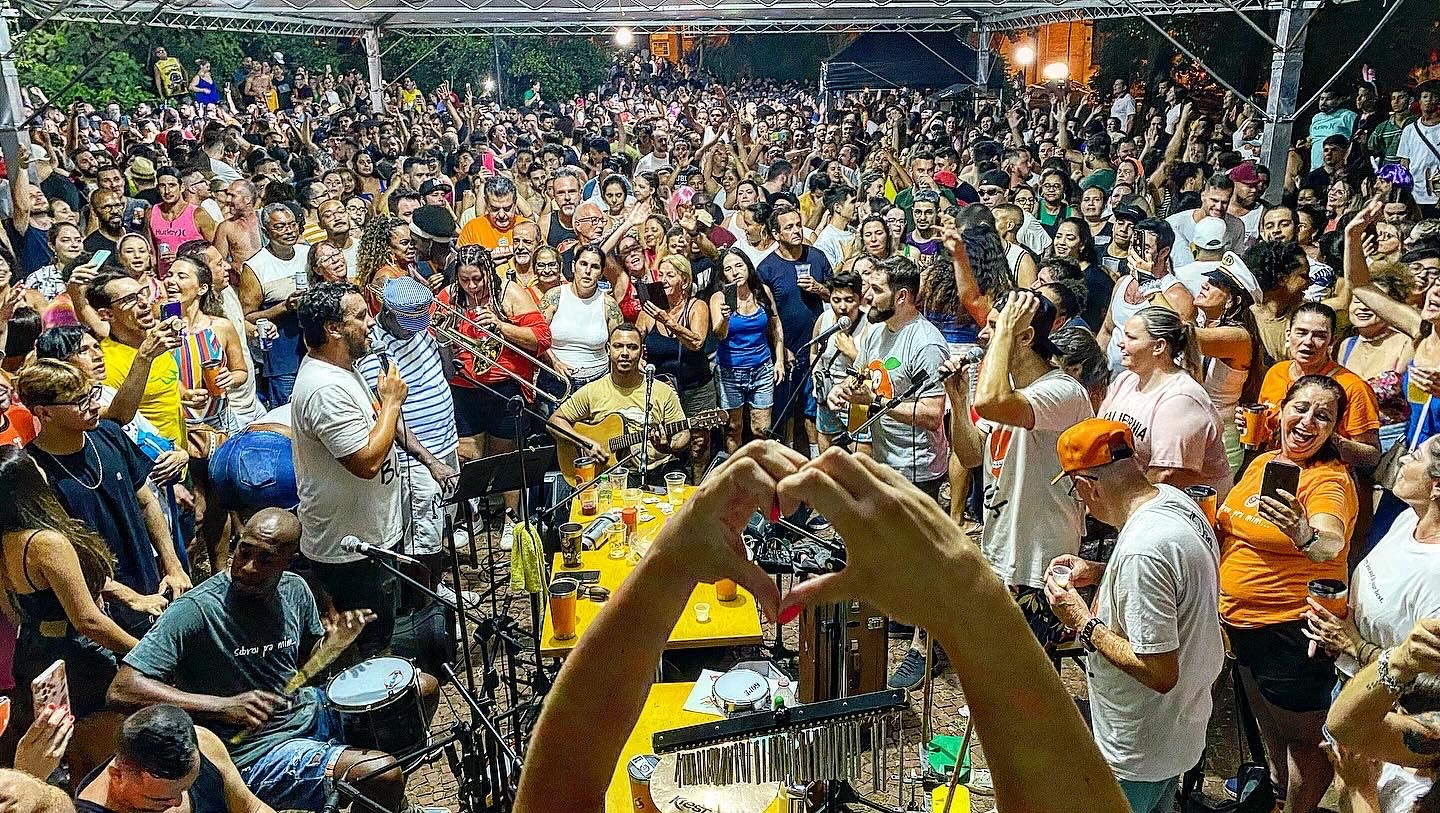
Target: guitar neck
pixel 629 439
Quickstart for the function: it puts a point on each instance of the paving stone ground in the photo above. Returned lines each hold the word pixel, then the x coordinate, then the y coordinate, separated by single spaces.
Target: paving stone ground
pixel 434 784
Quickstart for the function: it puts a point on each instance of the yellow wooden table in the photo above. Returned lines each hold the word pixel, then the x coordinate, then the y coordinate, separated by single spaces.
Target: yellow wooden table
pixel 732 623
pixel 664 710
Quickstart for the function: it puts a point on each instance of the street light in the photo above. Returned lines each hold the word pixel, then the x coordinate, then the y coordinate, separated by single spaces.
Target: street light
pixel 1056 71
pixel 1024 55
pixel 624 37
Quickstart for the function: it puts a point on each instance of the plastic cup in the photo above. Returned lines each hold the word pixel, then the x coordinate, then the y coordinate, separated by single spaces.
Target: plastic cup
pixel 1061 575
pixel 209 369
pixel 702 613
pixel 620 479
pixel 675 487
pixel 1332 594
pixel 726 590
pixel 615 541
pixel 563 593
pixel 1256 433
pixel 630 498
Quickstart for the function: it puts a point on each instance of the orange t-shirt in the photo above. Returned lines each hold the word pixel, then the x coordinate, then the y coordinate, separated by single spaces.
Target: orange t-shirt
pixel 1362 410
pixel 481 232
pixel 1263 577
pixel 19 427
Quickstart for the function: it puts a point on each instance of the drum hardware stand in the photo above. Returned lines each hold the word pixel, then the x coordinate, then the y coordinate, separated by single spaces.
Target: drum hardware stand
pixel 477 775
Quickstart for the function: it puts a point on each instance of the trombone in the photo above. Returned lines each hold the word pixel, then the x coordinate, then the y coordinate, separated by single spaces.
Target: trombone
pixel 445 323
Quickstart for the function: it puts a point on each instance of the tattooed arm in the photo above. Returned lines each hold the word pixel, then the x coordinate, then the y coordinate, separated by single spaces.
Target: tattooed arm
pixel 1365 718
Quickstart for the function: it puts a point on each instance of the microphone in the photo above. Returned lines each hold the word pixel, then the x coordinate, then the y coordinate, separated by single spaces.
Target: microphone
pixel 968 358
pixel 649 371
pixel 352 544
pixel 843 323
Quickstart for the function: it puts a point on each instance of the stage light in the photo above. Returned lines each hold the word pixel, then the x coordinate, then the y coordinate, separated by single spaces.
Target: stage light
pixel 1056 71
pixel 1024 55
pixel 624 37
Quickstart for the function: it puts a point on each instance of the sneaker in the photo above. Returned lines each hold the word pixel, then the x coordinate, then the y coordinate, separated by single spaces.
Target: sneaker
pixel 471 599
pixel 911 671
pixel 1232 787
pixel 507 536
pixel 461 540
pixel 415 808
pixel 980 782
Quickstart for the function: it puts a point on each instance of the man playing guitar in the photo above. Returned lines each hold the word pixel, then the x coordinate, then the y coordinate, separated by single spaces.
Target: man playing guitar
pixel 622 391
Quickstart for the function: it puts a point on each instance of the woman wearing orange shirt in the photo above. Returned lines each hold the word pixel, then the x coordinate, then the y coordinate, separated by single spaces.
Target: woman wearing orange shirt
pixel 1269 552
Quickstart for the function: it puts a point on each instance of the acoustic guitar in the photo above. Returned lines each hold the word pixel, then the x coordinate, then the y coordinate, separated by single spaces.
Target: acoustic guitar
pixel 619 435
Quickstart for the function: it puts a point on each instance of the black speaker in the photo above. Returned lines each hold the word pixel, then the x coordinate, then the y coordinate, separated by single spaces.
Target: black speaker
pixel 425 638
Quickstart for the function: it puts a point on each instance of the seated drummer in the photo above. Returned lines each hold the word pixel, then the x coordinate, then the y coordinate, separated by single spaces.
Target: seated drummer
pixel 622 390
pixel 164 761
pixel 225 651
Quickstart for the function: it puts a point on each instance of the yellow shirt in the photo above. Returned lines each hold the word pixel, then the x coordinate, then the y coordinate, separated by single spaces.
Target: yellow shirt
pixel 599 399
pixel 161 402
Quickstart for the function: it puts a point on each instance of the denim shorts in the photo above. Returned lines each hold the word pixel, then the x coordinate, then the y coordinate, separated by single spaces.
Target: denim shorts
pixel 747 386
pixel 295 774
pixel 254 470
pixel 828 422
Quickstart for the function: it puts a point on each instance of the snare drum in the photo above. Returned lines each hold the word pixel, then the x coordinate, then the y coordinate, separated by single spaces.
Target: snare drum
pixel 379 704
pixel 741 691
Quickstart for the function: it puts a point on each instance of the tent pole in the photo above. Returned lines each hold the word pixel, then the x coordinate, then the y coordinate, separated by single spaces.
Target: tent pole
pixel 13 137
pixel 1285 65
pixel 824 97
pixel 377 78
pixel 982 55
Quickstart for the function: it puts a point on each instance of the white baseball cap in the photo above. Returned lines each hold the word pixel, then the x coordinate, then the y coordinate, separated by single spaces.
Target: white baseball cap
pixel 1209 234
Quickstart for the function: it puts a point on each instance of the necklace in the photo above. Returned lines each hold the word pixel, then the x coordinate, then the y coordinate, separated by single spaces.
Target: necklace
pixel 99 464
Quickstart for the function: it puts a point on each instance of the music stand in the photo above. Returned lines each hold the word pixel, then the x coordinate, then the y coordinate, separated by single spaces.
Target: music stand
pixel 497 474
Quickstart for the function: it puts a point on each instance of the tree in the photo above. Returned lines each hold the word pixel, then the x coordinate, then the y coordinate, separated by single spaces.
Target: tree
pixel 51 57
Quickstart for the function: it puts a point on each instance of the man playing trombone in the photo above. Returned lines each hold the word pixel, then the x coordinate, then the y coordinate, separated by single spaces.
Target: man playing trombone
pixel 496 335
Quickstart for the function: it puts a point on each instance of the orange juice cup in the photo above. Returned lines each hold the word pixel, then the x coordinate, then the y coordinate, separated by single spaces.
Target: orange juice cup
pixel 1256 431
pixel 726 590
pixel 1332 594
pixel 563 593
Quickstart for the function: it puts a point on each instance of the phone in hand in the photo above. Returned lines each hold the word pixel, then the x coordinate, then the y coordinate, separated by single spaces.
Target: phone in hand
pixel 172 310
pixel 4 715
pixel 1279 476
pixel 655 292
pixel 732 297
pixel 51 688
pixel 488 161
pixel 98 258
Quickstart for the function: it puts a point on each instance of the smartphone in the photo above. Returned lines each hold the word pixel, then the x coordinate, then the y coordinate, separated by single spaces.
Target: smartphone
pixel 172 311
pixel 488 161
pixel 585 576
pixel 1279 476
pixel 98 258
pixel 51 688
pixel 655 292
pixel 732 297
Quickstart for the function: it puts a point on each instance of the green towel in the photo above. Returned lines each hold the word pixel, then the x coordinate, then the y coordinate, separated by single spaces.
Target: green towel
pixel 527 558
pixel 941 756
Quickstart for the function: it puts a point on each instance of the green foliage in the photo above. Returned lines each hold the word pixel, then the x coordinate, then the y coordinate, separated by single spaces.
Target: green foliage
pixel 789 57
pixel 564 65
pixel 52 57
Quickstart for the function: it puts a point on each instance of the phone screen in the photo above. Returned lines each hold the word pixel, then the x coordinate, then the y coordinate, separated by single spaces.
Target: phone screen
pixel 732 297
pixel 51 688
pixel 1279 476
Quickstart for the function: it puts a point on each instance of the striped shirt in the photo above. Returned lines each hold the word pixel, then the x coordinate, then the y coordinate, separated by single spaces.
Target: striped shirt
pixel 429 411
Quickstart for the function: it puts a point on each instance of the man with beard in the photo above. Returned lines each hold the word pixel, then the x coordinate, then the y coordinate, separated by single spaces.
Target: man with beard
pixel 1245 203
pixel 174 221
pixel 495 231
pixel 227 654
pixel 335 221
pixel 1214 202
pixel 109 210
pixel 521 266
pixel 559 228
pixel 267 291
pixel 796 274
pixel 346 465
pixel 238 238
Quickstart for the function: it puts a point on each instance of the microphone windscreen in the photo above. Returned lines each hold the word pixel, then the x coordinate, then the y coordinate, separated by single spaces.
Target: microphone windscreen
pixel 350 543
pixel 973 354
pixel 844 323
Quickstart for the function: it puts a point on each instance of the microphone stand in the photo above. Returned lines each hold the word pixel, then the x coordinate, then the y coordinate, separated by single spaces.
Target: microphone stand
pixel 645 429
pixel 881 410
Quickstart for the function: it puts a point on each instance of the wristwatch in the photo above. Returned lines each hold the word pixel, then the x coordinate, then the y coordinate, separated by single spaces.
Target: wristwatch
pixel 1314 537
pixel 1087 631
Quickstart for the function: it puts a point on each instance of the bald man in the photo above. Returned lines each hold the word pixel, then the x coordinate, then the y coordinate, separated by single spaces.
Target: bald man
pixel 589 222
pixel 238 238
pixel 227 654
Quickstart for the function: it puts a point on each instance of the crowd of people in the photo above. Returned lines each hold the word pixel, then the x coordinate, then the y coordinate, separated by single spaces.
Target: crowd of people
pixel 1183 418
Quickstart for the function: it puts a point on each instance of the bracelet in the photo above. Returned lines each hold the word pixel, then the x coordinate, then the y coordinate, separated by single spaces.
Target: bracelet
pixel 1314 537
pixel 1087 632
pixel 1387 680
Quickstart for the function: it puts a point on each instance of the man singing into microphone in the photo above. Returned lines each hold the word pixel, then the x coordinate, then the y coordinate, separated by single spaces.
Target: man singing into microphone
pixel 622 390
pixel 346 466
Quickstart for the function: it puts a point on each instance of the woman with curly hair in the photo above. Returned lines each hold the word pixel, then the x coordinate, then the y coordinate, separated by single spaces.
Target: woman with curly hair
pixel 386 252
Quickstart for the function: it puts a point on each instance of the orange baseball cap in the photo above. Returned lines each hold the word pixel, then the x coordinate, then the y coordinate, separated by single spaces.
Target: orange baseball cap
pixel 1092 443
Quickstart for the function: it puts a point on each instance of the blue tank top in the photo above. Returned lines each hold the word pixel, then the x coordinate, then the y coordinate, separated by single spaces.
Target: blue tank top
pixel 953 328
pixel 207 94
pixel 746 344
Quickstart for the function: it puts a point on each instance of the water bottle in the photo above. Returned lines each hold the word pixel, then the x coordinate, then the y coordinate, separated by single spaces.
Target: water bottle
pixel 606 493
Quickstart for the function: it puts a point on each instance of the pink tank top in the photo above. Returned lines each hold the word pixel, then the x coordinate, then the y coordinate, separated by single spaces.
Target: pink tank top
pixel 171 234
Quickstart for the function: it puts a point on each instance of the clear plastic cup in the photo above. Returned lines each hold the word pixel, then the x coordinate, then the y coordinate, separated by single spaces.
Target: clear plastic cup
pixel 675 487
pixel 1061 575
pixel 702 613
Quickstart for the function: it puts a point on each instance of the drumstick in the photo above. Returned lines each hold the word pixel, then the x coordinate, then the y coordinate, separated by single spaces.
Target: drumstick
pixel 321 658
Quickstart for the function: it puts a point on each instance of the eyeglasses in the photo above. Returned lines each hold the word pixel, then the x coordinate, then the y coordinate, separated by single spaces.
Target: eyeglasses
pixel 1075 478
pixel 85 401
pixel 144 296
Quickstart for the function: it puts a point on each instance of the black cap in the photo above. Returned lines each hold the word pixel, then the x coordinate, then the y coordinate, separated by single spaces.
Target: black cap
pixel 434 185
pixel 433 222
pixel 996 177
pixel 1134 214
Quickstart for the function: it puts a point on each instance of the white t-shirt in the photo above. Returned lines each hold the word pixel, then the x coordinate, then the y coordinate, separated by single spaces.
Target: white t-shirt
pixel 1028 520
pixel 1123 108
pixel 1161 592
pixel 1184 225
pixel 1394 586
pixel 1174 424
pixel 1421 159
pixel 832 242
pixel 333 413
pixel 1193 274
